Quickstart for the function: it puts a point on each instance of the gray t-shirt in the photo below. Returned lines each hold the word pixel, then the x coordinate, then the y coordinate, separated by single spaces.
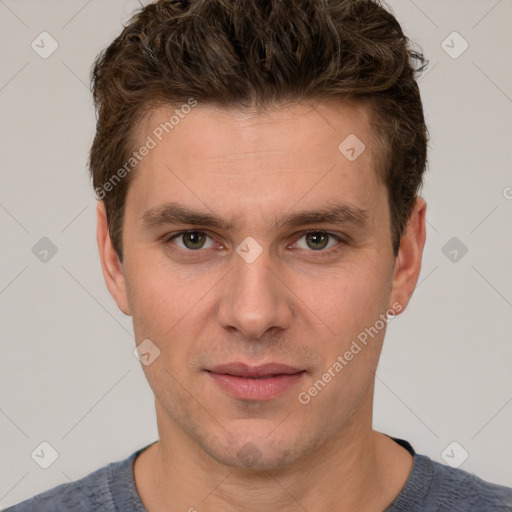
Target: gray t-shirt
pixel 431 487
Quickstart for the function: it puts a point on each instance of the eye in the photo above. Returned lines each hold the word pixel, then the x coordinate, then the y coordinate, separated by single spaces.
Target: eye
pixel 191 240
pixel 315 240
pixel 319 241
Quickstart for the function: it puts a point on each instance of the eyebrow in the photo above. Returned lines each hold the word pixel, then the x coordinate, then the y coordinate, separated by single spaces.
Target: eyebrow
pixel 175 213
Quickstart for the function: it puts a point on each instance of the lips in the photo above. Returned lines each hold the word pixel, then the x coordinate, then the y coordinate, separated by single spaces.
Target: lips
pixel 255 372
pixel 256 383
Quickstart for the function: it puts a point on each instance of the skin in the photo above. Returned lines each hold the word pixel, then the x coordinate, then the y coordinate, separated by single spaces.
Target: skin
pixel 293 305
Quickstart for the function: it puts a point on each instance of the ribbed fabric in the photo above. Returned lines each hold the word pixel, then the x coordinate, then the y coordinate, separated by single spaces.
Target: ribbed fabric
pixel 108 489
pixel 431 487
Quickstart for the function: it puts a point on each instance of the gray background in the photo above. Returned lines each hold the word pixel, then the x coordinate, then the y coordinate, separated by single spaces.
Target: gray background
pixel 68 374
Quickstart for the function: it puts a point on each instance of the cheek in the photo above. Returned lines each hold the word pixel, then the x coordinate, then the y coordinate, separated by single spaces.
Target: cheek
pixel 162 295
pixel 347 299
pixel 353 305
pixel 151 300
pixel 167 312
pixel 170 307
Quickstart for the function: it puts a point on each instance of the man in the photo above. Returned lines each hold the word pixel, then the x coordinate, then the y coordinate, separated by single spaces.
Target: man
pixel 257 168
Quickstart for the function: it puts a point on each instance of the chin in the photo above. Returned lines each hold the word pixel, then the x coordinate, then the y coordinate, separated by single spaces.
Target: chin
pixel 257 453
pixel 252 458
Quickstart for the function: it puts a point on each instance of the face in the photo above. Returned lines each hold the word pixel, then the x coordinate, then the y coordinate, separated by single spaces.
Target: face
pixel 269 312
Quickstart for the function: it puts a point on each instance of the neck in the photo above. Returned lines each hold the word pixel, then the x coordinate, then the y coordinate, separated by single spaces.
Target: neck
pixel 359 469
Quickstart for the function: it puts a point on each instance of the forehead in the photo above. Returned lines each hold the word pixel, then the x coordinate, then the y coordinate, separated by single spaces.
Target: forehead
pixel 285 155
pixel 215 131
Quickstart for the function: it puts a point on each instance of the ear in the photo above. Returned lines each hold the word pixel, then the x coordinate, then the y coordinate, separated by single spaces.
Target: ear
pixel 110 264
pixel 408 261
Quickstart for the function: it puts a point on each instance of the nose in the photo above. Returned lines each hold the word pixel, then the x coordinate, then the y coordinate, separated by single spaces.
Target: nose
pixel 254 299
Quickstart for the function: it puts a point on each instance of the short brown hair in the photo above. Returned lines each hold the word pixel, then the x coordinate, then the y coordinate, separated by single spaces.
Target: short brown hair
pixel 243 53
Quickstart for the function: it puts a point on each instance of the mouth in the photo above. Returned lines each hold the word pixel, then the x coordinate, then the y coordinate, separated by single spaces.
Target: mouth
pixel 256 383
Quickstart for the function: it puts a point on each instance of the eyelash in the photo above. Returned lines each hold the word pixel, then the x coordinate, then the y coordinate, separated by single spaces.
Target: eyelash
pixel 325 252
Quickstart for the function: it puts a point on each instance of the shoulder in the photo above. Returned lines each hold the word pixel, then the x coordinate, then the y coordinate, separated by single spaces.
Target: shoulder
pixel 83 494
pixel 96 491
pixel 456 489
